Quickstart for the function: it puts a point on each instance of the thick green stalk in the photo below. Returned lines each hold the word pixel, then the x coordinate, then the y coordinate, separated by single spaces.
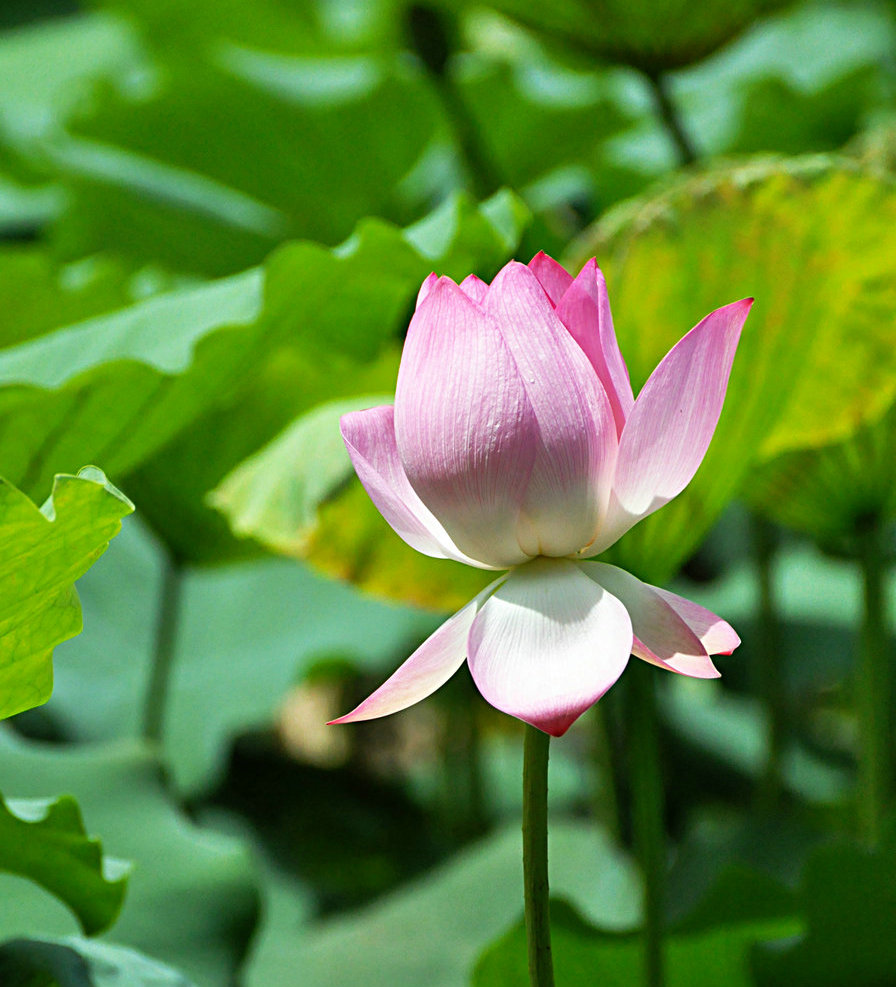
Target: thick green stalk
pixel 769 680
pixel 875 690
pixel 668 114
pixel 648 811
pixel 163 651
pixel 535 857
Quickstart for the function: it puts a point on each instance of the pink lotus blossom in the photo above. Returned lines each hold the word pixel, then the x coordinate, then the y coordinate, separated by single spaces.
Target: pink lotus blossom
pixel 515 442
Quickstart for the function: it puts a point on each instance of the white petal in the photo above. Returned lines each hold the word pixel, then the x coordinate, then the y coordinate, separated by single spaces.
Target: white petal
pixel 548 644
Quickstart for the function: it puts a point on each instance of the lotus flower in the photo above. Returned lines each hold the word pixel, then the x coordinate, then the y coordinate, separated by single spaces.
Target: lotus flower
pixel 515 443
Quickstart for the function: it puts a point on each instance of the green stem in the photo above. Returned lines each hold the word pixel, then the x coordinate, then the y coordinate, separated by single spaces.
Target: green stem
pixel 875 689
pixel 163 652
pixel 769 680
pixel 606 807
pixel 648 811
pixel 432 30
pixel 535 857
pixel 670 118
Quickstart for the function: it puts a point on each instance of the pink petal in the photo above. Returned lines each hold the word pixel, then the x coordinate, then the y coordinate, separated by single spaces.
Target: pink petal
pixel 672 422
pixel 717 636
pixel 426 288
pixel 474 288
pixel 548 644
pixel 576 436
pixel 369 437
pixel 552 277
pixel 661 637
pixel 465 430
pixel 428 668
pixel 585 311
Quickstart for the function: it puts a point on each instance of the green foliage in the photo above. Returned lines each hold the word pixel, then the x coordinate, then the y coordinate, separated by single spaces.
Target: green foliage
pixel 333 322
pixel 284 616
pixel 708 948
pixel 46 550
pixel 813 240
pixel 74 962
pixel 653 37
pixel 831 492
pixel 192 899
pixel 451 916
pixel 848 896
pixel 45 841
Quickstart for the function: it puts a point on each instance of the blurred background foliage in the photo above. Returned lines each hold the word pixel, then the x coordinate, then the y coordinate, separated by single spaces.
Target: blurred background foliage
pixel 214 218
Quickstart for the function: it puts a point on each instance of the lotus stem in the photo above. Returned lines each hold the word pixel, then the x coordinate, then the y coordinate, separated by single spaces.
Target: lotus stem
pixel 535 857
pixel 670 118
pixel 648 811
pixel 769 680
pixel 163 651
pixel 875 688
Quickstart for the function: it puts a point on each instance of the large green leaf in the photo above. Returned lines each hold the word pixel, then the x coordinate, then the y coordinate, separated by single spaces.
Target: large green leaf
pixel 306 147
pixel 814 241
pixel 45 550
pixel 651 36
pixel 40 295
pixel 830 492
pixel 450 916
pixel 161 362
pixel 335 319
pixel 74 962
pixel 45 841
pixel 247 633
pixel 73 54
pixel 192 897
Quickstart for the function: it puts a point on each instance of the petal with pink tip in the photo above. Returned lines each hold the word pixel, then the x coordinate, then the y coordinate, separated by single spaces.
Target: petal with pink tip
pixel 369 437
pixel 466 432
pixel 553 277
pixel 661 636
pixel 428 668
pixel 576 436
pixel 716 635
pixel 474 288
pixel 548 644
pixel 585 311
pixel 672 422
pixel 426 288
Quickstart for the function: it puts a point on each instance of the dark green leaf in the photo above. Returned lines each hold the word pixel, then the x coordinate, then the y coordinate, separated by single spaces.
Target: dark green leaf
pixel 45 841
pixel 74 962
pixel 192 897
pixel 849 898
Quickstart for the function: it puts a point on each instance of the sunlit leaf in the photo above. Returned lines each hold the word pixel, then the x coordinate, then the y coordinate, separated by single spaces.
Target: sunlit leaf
pixel 814 241
pixel 75 962
pixel 44 551
pixel 45 841
pixel 192 899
